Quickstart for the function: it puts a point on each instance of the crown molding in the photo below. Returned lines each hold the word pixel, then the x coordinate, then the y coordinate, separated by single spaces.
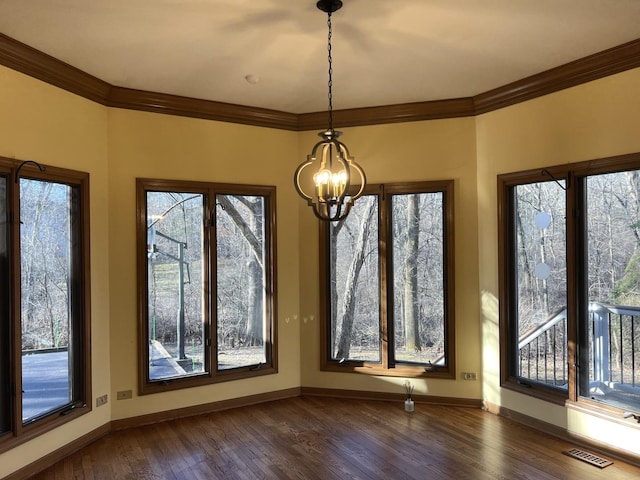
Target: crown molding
pixel 192 107
pixel 32 62
pixel 599 65
pixel 25 59
pixel 404 112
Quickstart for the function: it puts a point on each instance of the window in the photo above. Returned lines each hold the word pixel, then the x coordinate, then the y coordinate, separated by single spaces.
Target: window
pixel 44 299
pixel 387 289
pixel 207 278
pixel 569 282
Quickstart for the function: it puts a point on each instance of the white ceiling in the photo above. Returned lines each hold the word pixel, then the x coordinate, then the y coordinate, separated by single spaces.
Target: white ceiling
pixel 384 52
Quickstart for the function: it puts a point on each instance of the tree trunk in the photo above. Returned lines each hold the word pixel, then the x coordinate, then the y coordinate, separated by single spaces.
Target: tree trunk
pixel 255 320
pixel 410 277
pixel 347 315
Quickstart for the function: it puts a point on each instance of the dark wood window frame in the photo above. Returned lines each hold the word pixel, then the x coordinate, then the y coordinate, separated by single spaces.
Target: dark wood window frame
pixel 574 176
pixel 210 375
pixel 14 431
pixel 388 366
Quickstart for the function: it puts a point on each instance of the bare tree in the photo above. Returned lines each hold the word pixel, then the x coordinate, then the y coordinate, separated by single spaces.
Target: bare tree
pixel 346 316
pixel 45 264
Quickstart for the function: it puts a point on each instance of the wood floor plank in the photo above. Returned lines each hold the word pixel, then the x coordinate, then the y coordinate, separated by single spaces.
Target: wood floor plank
pixel 318 438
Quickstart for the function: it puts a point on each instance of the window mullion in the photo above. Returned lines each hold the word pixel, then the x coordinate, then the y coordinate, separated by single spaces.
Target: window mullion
pixel 210 285
pixel 15 307
pixel 577 362
pixel 6 376
pixel 386 262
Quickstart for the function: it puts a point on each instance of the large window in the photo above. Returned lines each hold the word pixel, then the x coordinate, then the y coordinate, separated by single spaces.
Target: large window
pixel 206 282
pixel 44 298
pixel 387 290
pixel 570 282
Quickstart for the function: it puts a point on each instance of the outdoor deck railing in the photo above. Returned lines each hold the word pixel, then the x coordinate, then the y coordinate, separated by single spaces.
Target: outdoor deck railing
pixel 614 334
pixel 614 337
pixel 543 351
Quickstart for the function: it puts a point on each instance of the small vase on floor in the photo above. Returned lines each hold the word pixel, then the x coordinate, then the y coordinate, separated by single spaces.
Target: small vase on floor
pixel 408 405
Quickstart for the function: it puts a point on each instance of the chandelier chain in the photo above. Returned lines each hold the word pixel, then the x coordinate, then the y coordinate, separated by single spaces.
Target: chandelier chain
pixel 330 84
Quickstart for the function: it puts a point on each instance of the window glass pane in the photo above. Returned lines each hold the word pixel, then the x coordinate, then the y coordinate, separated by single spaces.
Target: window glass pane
pixel 175 275
pixel 45 248
pixel 241 280
pixel 5 424
pixel 418 277
pixel 355 284
pixel 539 237
pixel 613 259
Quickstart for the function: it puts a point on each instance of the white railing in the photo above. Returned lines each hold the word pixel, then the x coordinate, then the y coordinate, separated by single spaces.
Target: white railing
pixel 614 334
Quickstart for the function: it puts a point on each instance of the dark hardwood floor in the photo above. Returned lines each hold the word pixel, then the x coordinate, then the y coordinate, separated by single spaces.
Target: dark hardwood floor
pixel 327 438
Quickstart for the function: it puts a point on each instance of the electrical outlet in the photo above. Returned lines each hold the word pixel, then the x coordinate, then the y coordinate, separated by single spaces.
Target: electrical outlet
pixel 469 376
pixel 102 400
pixel 124 395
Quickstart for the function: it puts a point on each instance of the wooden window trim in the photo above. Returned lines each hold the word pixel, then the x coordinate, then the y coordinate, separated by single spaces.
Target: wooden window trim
pixel 576 269
pixel 20 433
pixel 209 376
pixel 506 285
pixel 387 366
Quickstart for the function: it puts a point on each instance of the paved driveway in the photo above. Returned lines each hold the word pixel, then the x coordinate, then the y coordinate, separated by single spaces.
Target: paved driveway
pixel 45 383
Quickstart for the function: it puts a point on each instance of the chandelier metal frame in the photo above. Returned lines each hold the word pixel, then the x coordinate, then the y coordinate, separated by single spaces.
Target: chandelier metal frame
pixel 334 191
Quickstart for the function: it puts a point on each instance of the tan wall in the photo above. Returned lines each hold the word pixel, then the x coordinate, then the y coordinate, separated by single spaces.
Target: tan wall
pixel 595 120
pixel 43 123
pixel 430 150
pixel 168 147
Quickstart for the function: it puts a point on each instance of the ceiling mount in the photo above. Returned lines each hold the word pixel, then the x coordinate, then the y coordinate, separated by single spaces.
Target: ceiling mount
pixel 329 6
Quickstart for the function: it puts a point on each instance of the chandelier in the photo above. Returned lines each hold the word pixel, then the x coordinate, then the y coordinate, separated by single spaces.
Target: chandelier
pixel 326 180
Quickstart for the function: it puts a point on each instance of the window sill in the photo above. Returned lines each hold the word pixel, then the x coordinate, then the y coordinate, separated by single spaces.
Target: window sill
pixel 41 426
pixel 604 412
pixel 205 379
pixel 534 390
pixel 398 371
